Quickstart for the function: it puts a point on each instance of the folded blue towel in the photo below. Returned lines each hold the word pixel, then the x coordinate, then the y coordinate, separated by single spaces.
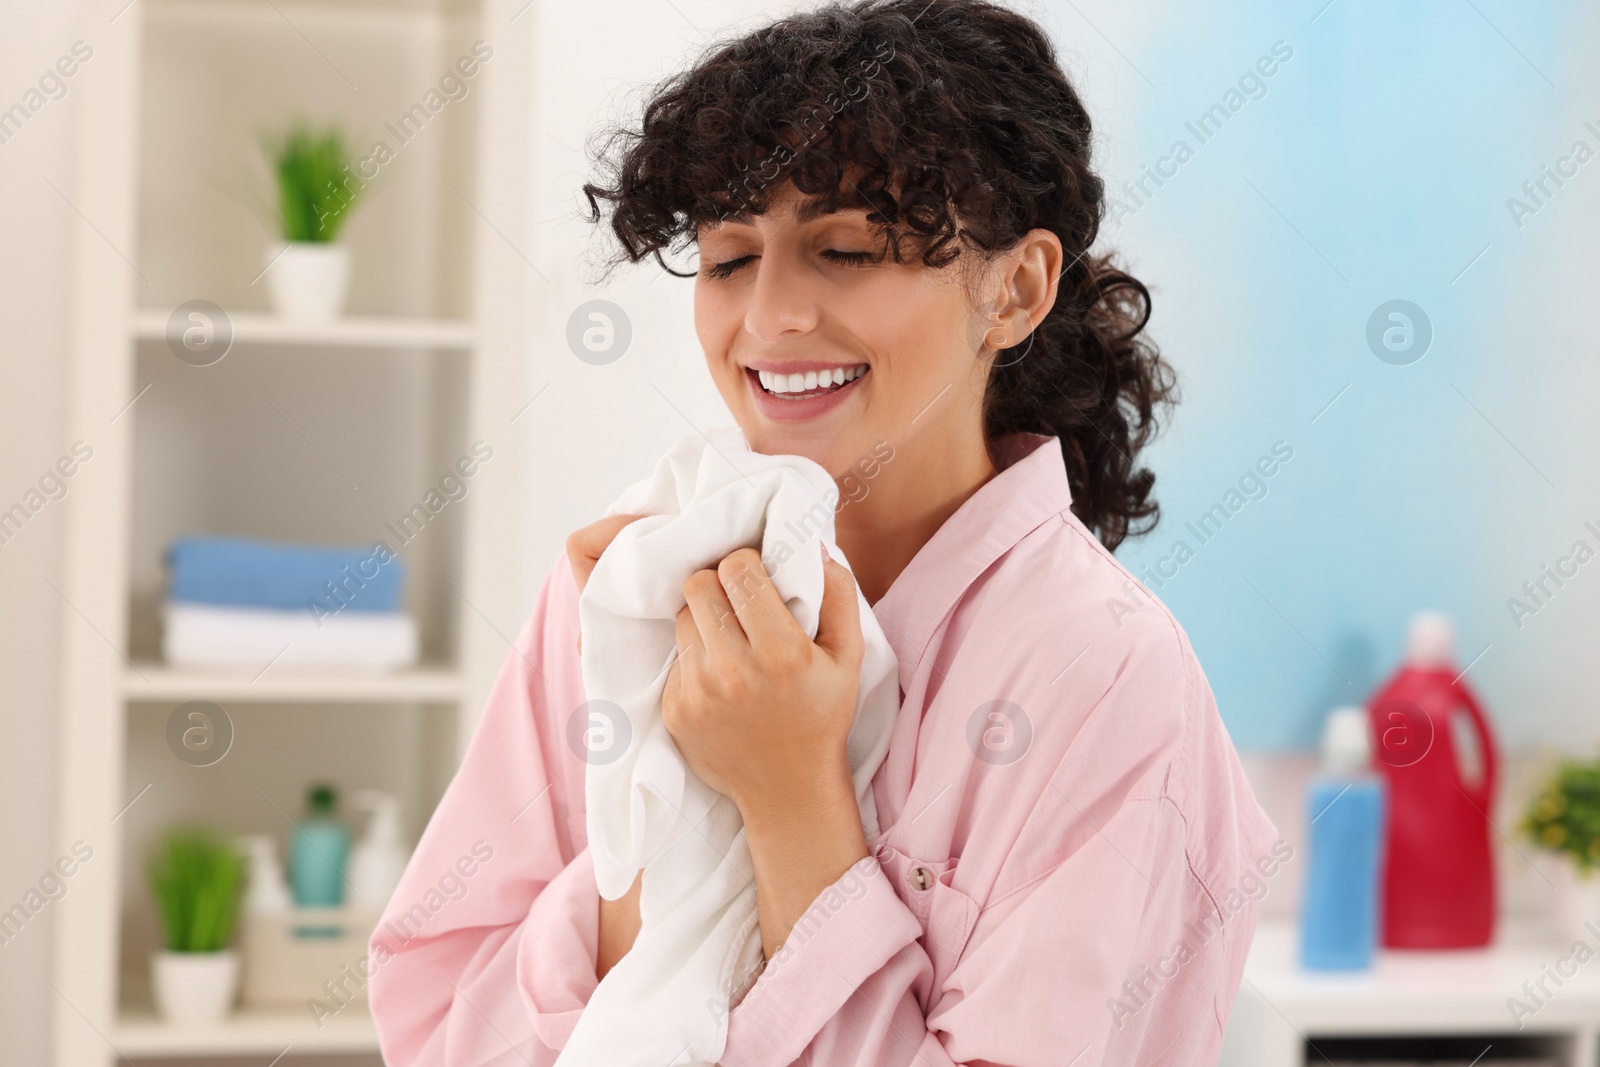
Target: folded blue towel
pixel 251 572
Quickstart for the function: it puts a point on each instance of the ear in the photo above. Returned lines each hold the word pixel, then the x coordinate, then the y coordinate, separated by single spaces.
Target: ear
pixel 1030 277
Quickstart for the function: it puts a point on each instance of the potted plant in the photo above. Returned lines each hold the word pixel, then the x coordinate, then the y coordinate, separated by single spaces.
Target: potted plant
pixel 195 877
pixel 1564 818
pixel 308 273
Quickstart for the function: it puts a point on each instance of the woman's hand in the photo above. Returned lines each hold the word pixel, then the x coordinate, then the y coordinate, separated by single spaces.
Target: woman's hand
pixel 762 714
pixel 619 919
pixel 619 926
pixel 585 546
pixel 759 710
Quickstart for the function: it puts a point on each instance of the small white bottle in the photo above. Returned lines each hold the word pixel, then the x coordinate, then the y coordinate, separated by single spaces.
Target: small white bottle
pixel 379 858
pixel 268 890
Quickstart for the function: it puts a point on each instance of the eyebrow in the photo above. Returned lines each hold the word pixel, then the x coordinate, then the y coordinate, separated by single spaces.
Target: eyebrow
pixel 809 210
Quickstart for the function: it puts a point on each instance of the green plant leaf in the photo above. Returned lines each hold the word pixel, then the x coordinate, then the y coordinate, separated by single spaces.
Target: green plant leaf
pixel 316 188
pixel 1564 816
pixel 195 876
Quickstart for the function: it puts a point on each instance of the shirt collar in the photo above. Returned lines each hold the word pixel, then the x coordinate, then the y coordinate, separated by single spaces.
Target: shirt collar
pixel 1030 488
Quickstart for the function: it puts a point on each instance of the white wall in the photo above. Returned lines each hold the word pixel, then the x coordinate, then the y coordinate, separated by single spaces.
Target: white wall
pixel 598 428
pixel 36 224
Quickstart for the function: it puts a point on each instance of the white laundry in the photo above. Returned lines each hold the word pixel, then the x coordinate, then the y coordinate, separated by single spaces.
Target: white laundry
pixel 699 947
pixel 251 639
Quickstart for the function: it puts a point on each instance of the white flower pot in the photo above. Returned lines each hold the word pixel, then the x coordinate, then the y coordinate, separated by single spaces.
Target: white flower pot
pixel 308 280
pixel 195 987
pixel 1577 900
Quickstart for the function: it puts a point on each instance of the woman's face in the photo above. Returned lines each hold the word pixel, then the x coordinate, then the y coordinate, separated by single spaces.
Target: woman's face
pixel 822 349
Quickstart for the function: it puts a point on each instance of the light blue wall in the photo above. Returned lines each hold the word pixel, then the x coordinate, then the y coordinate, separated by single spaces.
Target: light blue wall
pixel 1377 165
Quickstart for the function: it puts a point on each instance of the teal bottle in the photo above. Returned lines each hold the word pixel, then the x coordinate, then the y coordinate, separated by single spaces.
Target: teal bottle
pixel 318 852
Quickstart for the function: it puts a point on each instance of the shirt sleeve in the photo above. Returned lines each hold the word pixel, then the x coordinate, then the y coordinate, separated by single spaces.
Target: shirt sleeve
pixel 486 952
pixel 1042 981
pixel 1119 953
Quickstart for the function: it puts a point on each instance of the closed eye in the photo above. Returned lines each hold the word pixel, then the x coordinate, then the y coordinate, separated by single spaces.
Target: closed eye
pixel 727 267
pixel 855 259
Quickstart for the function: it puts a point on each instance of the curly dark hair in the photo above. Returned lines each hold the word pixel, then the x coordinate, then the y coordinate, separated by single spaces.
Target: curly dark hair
pixel 952 124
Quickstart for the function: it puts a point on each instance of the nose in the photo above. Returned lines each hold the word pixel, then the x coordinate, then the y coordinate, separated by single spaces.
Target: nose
pixel 782 304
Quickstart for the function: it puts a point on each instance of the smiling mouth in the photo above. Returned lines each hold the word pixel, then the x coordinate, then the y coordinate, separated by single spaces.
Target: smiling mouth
pixel 809 384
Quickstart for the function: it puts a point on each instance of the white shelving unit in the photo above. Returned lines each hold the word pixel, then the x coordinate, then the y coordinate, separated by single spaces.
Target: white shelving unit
pixel 352 331
pixel 313 433
pixel 1462 994
pixel 248 1033
pixel 158 683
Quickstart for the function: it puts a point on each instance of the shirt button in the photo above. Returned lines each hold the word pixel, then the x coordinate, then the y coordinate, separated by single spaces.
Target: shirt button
pixel 920 877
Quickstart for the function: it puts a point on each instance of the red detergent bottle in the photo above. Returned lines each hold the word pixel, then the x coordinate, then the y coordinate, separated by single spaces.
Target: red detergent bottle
pixel 1432 743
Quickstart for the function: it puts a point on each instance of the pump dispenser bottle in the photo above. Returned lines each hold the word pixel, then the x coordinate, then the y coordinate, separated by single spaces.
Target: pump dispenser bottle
pixel 379 858
pixel 1345 804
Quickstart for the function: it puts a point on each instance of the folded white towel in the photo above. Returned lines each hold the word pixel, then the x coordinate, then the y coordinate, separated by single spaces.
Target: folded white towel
pixel 699 949
pixel 205 635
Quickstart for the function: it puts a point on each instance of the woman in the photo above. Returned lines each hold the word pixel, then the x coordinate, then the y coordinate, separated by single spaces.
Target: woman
pixel 893 205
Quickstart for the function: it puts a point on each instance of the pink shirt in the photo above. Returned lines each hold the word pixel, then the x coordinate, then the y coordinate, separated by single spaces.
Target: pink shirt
pixel 1070 868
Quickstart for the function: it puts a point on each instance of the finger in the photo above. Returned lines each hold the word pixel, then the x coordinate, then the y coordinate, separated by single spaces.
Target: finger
pixel 585 546
pixel 690 646
pixel 756 602
pixel 714 616
pixel 839 620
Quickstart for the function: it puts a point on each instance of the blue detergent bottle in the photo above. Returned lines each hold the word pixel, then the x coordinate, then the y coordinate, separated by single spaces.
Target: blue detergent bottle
pixel 1346 808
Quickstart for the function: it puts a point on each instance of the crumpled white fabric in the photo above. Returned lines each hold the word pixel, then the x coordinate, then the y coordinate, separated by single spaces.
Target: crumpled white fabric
pixel 699 947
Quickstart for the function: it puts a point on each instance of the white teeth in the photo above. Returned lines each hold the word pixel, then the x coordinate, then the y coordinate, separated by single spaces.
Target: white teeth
pixel 810 381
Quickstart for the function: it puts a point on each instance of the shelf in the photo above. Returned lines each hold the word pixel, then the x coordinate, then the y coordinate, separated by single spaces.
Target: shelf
pixel 443 341
pixel 1455 994
pixel 216 8
pixel 158 682
pixel 1419 992
pixel 254 327
pixel 247 1032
